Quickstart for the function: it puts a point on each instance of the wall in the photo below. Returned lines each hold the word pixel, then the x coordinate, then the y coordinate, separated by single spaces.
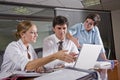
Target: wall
pixel 116 31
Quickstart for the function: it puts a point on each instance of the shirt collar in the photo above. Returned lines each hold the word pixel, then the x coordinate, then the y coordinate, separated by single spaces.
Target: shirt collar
pixel 58 40
pixel 83 28
pixel 22 45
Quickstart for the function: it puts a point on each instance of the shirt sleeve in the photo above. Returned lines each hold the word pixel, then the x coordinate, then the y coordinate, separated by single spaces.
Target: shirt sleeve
pixel 48 50
pixel 98 39
pixel 17 57
pixel 74 48
pixel 47 47
pixel 73 29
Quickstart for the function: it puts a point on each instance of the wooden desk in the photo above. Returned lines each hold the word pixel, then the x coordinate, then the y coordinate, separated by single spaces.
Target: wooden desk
pixel 110 74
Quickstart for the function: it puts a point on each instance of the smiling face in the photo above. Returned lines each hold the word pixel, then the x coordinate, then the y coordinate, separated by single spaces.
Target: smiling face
pixel 88 24
pixel 60 31
pixel 30 35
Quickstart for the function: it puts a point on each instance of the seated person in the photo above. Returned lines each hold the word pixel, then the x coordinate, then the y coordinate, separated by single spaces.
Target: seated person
pixel 20 55
pixel 58 41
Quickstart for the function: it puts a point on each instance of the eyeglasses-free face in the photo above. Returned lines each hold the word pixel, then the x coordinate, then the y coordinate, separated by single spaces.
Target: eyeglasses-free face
pixel 88 24
pixel 60 31
pixel 31 35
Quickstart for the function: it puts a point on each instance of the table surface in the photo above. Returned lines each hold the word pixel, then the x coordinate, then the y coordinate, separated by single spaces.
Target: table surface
pixel 104 74
pixel 110 74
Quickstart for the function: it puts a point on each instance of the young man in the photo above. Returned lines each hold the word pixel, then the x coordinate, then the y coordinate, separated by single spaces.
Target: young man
pixel 87 33
pixel 51 43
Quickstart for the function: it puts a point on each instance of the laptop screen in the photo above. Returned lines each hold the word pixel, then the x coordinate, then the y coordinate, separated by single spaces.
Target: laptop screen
pixel 88 56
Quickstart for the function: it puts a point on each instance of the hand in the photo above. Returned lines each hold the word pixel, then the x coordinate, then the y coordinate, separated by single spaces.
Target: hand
pixel 116 62
pixel 59 65
pixel 75 55
pixel 62 55
pixel 40 70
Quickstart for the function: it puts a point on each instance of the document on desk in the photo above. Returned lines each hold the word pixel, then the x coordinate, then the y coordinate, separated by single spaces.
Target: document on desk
pixel 63 74
pixel 18 73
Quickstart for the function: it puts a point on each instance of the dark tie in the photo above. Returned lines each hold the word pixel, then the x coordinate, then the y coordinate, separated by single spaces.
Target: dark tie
pixel 60 46
pixel 28 54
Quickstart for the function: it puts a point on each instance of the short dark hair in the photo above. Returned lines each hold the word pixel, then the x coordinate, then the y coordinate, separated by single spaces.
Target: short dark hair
pixel 60 20
pixel 95 17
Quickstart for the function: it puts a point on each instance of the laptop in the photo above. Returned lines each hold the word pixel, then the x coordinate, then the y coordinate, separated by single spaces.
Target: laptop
pixel 88 56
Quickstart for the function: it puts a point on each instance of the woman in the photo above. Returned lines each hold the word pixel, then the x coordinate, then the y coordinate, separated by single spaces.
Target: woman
pixel 20 55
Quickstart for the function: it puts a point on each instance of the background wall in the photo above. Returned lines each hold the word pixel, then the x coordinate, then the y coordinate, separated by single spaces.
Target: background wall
pixel 116 31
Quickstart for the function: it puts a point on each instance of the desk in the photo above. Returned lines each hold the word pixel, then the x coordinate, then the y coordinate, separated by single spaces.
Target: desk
pixel 115 73
pixel 110 74
pixel 105 74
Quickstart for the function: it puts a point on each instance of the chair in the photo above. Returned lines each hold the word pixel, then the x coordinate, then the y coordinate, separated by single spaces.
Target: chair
pixel 39 51
pixel 1 58
pixel 108 51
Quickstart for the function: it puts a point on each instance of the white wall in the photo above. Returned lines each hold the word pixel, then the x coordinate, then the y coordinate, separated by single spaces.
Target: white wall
pixel 116 31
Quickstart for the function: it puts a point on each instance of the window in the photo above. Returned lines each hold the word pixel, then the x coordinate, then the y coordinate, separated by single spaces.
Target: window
pixel 11 15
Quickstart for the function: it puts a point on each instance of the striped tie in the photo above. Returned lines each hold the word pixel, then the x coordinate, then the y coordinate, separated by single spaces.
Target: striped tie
pixel 60 46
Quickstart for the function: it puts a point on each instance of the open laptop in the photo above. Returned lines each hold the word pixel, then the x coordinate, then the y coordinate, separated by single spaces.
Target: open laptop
pixel 88 56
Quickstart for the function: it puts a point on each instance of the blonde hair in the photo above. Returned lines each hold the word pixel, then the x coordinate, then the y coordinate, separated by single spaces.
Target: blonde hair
pixel 22 27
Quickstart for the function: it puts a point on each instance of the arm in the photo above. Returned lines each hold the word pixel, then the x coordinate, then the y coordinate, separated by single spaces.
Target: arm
pixel 98 40
pixel 103 56
pixel 75 40
pixel 72 32
pixel 61 55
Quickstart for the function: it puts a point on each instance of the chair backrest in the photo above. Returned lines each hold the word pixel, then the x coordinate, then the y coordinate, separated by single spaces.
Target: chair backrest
pixel 1 57
pixel 39 51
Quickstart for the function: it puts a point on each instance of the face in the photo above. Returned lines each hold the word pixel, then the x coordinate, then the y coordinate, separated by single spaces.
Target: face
pixel 31 35
pixel 60 31
pixel 89 24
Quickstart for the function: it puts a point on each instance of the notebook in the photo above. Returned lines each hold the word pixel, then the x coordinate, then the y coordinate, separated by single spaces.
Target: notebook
pixel 88 56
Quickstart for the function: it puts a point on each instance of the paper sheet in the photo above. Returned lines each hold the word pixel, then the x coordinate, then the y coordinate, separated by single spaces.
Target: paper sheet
pixel 63 74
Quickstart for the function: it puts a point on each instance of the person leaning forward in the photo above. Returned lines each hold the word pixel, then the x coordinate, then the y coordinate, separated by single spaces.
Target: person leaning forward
pixel 20 55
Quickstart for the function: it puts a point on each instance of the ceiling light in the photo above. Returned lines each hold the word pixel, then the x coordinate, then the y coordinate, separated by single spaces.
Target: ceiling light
pixel 21 10
pixel 87 3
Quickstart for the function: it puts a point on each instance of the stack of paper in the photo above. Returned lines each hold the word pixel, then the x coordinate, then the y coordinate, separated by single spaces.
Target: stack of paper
pixel 63 74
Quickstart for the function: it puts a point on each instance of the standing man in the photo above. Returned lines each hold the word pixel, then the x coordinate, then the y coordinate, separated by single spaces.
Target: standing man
pixel 58 41
pixel 87 33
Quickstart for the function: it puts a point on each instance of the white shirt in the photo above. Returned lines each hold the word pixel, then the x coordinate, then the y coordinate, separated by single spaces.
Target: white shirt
pixel 50 46
pixel 16 57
